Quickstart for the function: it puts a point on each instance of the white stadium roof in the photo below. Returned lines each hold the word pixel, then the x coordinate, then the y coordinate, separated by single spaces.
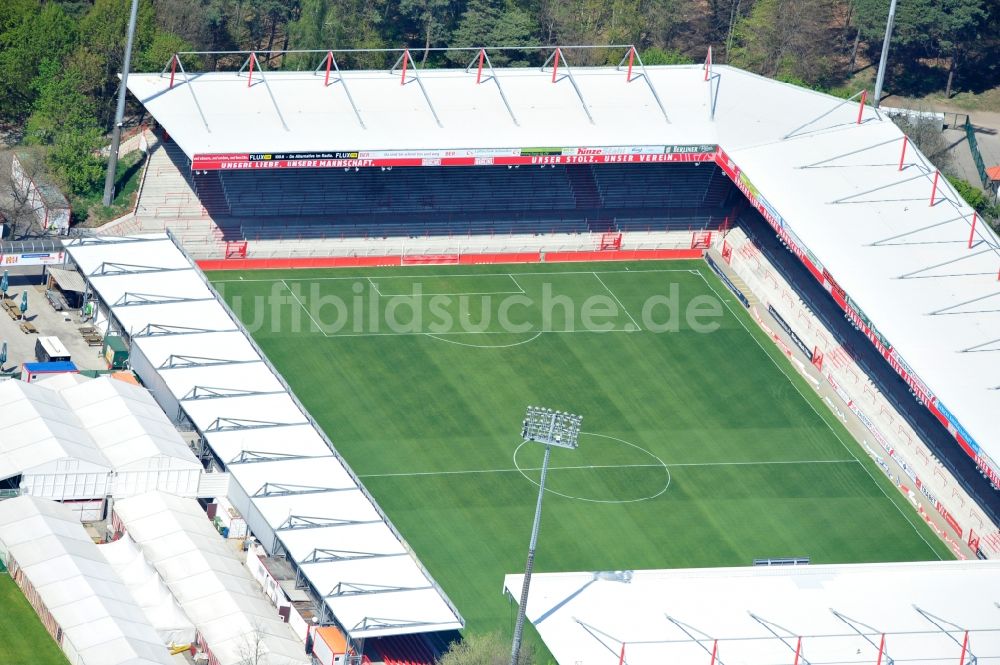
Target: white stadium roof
pixel 832 185
pixel 296 493
pixel 100 620
pixel 756 615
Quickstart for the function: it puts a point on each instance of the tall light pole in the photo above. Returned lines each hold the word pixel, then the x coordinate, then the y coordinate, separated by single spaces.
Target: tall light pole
pixel 552 428
pixel 880 78
pixel 116 132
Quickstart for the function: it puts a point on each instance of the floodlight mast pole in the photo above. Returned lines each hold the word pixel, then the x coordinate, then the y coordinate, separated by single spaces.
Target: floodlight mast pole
pixel 880 78
pixel 552 428
pixel 116 132
pixel 530 565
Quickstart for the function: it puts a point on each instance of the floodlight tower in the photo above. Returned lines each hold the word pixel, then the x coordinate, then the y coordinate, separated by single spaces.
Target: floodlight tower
pixel 883 61
pixel 552 428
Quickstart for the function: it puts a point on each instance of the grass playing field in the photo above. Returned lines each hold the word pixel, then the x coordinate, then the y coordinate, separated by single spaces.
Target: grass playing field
pixel 701 447
pixel 23 640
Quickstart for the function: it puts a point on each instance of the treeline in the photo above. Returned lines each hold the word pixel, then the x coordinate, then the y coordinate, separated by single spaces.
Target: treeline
pixel 59 60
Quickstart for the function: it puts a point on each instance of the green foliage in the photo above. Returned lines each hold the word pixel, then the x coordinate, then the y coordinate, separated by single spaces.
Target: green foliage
pixel 157 54
pixel 489 22
pixel 787 38
pixel 975 197
pixel 485 649
pixel 73 161
pixel 29 36
pixel 60 106
pixel 658 56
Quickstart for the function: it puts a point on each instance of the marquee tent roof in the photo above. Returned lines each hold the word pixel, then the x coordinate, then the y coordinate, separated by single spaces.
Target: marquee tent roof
pixel 38 428
pixel 100 620
pixel 831 176
pixel 127 424
pixel 103 423
pixel 211 585
pixel 756 615
pixel 255 426
pixel 149 591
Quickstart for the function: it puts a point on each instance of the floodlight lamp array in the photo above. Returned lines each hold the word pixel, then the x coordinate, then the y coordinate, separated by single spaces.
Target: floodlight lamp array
pixel 557 428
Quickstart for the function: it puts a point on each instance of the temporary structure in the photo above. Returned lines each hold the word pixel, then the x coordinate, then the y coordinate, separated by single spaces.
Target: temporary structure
pixel 78 596
pixel 226 605
pixel 149 591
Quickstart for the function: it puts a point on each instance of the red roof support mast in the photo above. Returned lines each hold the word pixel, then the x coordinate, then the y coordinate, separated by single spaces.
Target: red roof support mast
pixel 406 56
pixel 555 64
pixel 479 72
pixel 631 57
pixel 253 56
pixel 329 62
pixel 173 69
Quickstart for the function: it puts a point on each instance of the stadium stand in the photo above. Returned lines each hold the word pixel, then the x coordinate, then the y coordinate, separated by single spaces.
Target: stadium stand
pixel 410 202
pixel 404 650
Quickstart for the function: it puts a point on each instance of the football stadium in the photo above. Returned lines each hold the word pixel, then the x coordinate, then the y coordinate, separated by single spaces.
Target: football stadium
pixel 771 320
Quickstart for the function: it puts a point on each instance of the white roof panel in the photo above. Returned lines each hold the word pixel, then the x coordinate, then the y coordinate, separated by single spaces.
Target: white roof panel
pixel 194 315
pixel 202 348
pixel 325 472
pixel 183 284
pixel 251 377
pixel 249 410
pixel 585 617
pixel 125 255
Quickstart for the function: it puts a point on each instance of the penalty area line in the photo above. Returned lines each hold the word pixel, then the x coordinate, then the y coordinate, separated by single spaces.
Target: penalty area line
pixel 315 322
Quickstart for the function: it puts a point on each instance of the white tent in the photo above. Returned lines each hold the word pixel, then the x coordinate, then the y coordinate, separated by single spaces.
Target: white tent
pixel 209 582
pixel 78 596
pixel 130 429
pixel 77 440
pixel 149 591
pixel 42 440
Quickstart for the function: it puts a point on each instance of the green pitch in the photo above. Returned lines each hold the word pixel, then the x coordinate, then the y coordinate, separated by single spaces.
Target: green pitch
pixel 23 639
pixel 701 448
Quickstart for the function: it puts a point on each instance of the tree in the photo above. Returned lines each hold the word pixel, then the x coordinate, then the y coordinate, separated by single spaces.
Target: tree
pixel 15 205
pixel 29 35
pixel 924 133
pixel 490 23
pixel 431 16
pixel 788 38
pixel 924 29
pixel 485 649
pixel 60 105
pixel 102 44
pixel 74 160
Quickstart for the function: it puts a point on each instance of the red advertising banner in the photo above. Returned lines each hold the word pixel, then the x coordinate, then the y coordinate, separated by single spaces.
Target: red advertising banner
pixel 477 157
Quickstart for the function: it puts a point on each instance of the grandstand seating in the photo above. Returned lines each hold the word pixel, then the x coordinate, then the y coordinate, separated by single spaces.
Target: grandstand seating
pixel 457 201
pixel 404 650
pixel 661 185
